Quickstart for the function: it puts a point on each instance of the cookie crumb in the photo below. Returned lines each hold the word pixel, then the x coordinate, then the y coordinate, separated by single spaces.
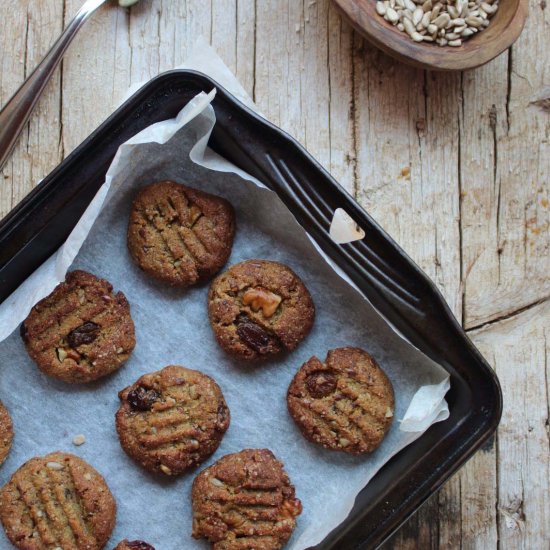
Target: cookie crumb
pixel 79 440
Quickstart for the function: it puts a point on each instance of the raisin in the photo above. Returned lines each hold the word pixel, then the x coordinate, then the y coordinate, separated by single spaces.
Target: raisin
pixel 321 383
pixel 84 334
pixel 222 417
pixel 139 545
pixel 141 399
pixel 253 336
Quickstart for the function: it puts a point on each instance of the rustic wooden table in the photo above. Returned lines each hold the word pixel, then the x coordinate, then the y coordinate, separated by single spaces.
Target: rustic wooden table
pixel 456 167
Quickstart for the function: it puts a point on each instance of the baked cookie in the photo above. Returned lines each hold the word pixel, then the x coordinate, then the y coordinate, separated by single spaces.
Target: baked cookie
pixel 345 404
pixel 6 433
pixel 259 308
pixel 81 331
pixel 180 235
pixel 172 419
pixel 57 501
pixel 134 545
pixel 245 500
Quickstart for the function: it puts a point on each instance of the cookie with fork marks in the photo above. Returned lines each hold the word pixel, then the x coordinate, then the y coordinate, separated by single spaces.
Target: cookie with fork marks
pixel 245 500
pixel 57 501
pixel 180 235
pixel 171 420
pixel 344 404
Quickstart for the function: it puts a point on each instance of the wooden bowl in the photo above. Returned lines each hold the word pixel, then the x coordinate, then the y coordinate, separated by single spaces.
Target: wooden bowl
pixel 506 26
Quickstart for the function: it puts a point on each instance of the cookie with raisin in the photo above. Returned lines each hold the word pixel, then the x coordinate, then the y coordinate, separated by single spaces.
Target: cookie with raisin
pixel 57 501
pixel 133 545
pixel 259 308
pixel 180 235
pixel 245 500
pixel 344 404
pixel 171 420
pixel 6 433
pixel 82 331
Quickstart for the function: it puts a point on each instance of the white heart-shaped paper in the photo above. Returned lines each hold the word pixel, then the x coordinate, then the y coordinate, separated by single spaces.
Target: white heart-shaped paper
pixel 343 228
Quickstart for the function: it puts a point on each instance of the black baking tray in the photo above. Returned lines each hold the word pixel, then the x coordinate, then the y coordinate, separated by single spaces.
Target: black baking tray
pixel 36 228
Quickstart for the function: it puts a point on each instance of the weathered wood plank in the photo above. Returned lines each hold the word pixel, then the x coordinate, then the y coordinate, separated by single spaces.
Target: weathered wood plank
pixel 28 31
pixel 342 132
pixel 519 348
pixel 224 31
pixel 506 184
pixel 246 44
pixel 292 70
pixel 478 492
pixel 96 72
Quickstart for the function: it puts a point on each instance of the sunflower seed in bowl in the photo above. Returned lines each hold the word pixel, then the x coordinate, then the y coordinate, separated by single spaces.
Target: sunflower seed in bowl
pixel 441 22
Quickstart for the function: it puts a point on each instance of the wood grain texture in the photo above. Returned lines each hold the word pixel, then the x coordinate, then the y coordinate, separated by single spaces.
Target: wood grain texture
pixel 454 166
pixel 519 349
pixel 26 36
pixel 506 175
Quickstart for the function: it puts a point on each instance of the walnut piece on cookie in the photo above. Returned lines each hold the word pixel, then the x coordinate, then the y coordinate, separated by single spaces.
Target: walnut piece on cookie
pixel 180 235
pixel 57 501
pixel 171 420
pixel 259 308
pixel 344 404
pixel 245 500
pixel 82 331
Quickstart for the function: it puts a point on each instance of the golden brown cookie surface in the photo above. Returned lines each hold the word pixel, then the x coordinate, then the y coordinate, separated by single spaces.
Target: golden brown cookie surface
pixel 6 433
pixel 81 331
pixel 180 235
pixel 345 404
pixel 259 308
pixel 133 545
pixel 57 501
pixel 245 500
pixel 171 420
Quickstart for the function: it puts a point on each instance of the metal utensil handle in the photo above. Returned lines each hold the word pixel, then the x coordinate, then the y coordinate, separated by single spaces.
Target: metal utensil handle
pixel 17 111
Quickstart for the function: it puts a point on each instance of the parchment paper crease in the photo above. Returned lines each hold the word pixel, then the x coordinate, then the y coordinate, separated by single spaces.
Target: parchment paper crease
pixel 172 328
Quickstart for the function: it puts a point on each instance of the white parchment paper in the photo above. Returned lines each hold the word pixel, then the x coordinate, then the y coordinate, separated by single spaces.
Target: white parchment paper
pixel 172 328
